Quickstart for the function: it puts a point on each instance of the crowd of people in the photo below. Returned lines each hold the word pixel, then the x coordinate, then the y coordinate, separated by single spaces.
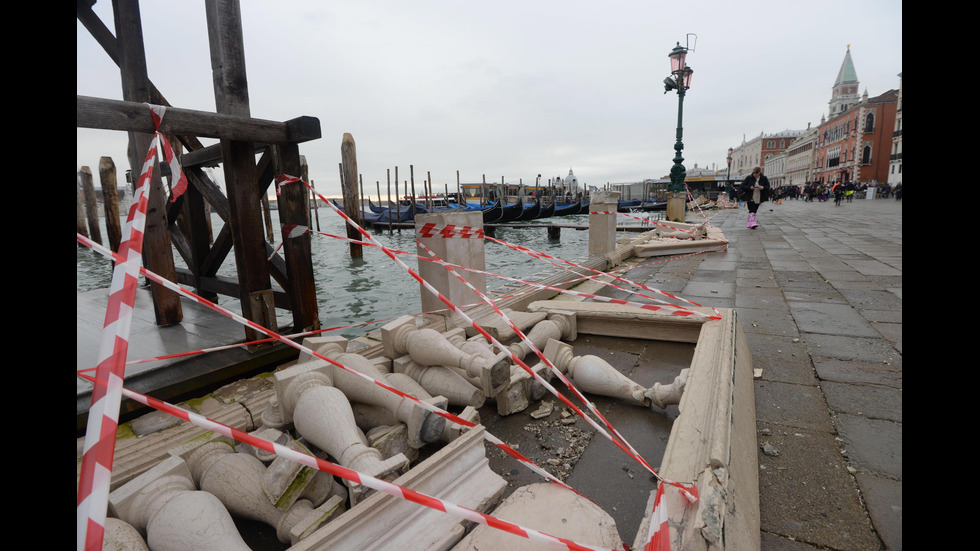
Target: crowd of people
pixel 755 189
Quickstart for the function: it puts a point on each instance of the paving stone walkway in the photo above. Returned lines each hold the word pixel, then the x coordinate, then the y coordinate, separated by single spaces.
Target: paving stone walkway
pixel 818 291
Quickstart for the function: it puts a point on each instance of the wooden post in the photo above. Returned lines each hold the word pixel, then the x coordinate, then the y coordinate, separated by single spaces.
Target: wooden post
pixel 378 184
pixel 157 247
pixel 398 203
pixel 360 182
pixel 80 225
pixel 431 193
pixel 91 204
pixel 459 193
pixel 294 210
pixel 483 193
pixel 554 232
pixel 110 202
pixel 352 203
pixel 389 201
pixel 411 169
pixel 241 176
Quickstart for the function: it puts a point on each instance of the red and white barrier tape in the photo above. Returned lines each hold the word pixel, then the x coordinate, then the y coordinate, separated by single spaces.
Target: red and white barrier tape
pixel 359 478
pixel 430 230
pixel 100 435
pixel 678 310
pixel 658 535
pixel 434 409
pixel 690 492
pixel 289 231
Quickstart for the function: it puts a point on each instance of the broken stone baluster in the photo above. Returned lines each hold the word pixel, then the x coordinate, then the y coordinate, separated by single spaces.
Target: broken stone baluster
pixel 665 395
pixel 593 374
pixel 236 479
pixel 557 326
pixel 285 480
pixel 441 381
pixel 122 535
pixel 429 348
pixel 322 415
pixel 373 416
pixel 423 425
pixel 164 505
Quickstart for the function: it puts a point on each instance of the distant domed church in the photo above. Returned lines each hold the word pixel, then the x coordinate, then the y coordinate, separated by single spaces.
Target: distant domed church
pixel 571 182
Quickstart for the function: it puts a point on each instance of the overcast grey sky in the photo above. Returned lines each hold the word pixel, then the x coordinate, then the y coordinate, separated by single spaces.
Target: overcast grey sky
pixel 512 89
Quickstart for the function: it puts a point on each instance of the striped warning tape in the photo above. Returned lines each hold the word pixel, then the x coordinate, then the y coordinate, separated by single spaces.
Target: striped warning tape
pixel 658 535
pixel 357 477
pixel 677 310
pixel 434 409
pixel 689 491
pixel 289 231
pixel 100 435
pixel 430 230
pixel 668 226
pixel 601 212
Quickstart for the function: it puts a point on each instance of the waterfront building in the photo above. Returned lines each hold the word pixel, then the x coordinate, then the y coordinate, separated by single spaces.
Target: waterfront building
pixel 895 163
pixel 855 142
pixel 759 150
pixel 799 158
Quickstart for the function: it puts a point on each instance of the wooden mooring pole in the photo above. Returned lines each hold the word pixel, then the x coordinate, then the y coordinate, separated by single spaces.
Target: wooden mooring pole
pixel 91 204
pixel 352 203
pixel 110 202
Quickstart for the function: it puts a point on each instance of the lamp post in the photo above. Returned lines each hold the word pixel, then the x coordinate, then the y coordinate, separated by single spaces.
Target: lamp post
pixel 680 80
pixel 728 179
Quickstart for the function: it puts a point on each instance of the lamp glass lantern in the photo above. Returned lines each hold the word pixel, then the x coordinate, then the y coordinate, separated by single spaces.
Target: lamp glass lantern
pixel 678 58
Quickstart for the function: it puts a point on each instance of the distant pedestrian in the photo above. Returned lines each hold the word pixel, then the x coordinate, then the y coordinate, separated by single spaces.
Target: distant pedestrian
pixel 754 191
pixel 898 192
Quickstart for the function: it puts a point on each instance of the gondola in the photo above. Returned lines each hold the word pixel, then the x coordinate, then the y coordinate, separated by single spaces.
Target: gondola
pixel 584 209
pixel 511 212
pixel 566 210
pixel 547 212
pixel 530 213
pixel 493 212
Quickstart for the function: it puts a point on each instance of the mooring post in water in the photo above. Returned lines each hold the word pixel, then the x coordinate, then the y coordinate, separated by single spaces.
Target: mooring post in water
pixel 411 174
pixel 110 202
pixel 304 170
pixel 389 201
pixel 352 204
pixel 91 204
pixel 80 226
pixel 554 232
pixel 459 193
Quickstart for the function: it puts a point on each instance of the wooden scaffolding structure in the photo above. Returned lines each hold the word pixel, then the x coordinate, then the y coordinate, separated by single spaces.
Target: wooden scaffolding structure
pixel 183 224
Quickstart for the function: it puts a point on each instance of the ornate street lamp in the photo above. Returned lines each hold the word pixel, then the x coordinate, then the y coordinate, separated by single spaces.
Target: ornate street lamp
pixel 680 80
pixel 728 179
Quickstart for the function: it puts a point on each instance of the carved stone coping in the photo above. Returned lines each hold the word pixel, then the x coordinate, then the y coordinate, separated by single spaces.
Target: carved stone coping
pixel 459 473
pixel 713 441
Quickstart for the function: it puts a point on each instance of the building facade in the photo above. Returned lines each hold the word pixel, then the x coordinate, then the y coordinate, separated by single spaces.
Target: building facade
pixel 799 158
pixel 895 164
pixel 760 150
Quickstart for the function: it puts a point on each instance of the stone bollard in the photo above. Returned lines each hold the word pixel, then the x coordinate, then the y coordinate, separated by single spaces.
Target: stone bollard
pixel 322 415
pixel 602 222
pixel 164 505
pixel 449 235
pixel 236 479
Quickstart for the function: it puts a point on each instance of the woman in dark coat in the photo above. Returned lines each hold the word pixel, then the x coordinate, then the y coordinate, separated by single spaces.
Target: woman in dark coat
pixel 755 190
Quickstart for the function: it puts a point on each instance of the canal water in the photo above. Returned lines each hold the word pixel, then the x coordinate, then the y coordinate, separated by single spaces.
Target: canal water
pixel 360 295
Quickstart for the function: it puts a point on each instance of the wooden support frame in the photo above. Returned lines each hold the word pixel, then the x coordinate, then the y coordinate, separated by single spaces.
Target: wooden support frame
pixel 184 223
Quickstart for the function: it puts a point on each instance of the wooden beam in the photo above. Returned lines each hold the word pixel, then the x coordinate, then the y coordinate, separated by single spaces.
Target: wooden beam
pixel 109 114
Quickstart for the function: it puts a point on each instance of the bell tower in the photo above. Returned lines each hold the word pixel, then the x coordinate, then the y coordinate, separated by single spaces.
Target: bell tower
pixel 845 91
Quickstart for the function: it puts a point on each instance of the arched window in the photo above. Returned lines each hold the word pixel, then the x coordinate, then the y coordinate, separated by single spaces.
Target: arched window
pixel 866 155
pixel 869 123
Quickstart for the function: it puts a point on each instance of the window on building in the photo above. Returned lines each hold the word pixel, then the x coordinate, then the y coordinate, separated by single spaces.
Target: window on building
pixel 869 123
pixel 866 155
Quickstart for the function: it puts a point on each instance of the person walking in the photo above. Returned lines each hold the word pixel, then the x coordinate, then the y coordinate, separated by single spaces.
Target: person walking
pixel 838 191
pixel 754 190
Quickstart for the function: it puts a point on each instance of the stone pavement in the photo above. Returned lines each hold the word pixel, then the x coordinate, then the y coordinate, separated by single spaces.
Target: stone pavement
pixel 818 290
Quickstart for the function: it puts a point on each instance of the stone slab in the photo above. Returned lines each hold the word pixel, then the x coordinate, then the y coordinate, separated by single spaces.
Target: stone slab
pixel 872 350
pixel 847 371
pixel 799 406
pixel 874 446
pixel 833 319
pixel 884 499
pixel 807 492
pixel 869 401
pixel 551 509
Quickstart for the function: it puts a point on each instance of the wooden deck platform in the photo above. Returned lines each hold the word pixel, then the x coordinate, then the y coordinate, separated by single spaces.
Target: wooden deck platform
pixel 183 377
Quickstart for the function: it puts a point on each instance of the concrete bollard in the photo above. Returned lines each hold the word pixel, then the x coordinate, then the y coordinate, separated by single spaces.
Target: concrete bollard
pixel 449 239
pixel 602 222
